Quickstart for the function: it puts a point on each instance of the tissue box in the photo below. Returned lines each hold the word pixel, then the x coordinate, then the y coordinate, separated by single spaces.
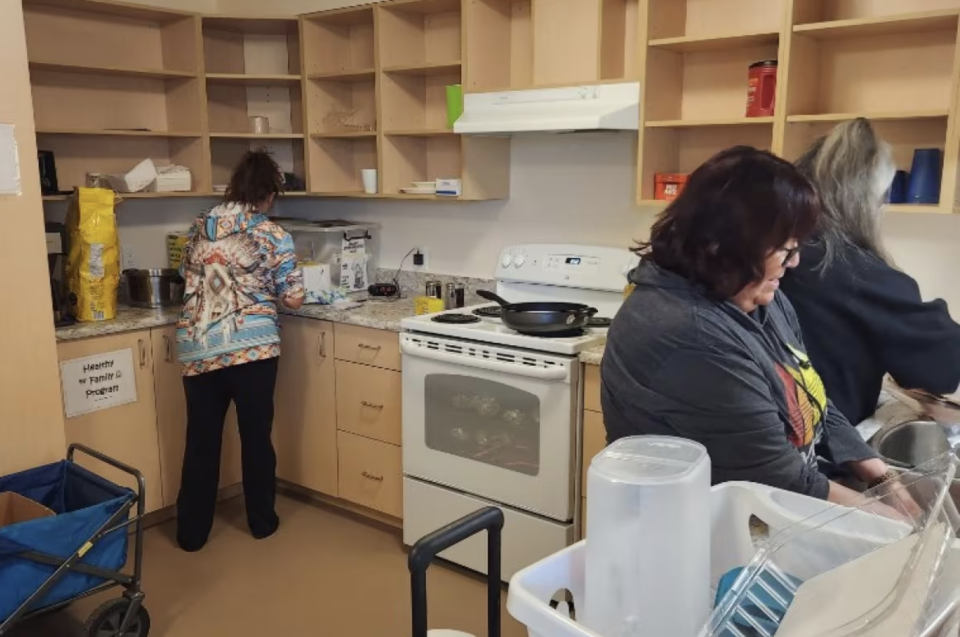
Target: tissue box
pixel 136 180
pixel 449 187
pixel 173 179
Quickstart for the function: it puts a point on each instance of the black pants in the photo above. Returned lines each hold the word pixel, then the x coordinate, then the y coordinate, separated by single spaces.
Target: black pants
pixel 250 386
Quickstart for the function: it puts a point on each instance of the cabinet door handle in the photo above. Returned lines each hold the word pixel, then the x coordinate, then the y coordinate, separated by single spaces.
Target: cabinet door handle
pixel 370 405
pixel 167 349
pixel 322 345
pixel 143 353
pixel 370 476
pixel 371 347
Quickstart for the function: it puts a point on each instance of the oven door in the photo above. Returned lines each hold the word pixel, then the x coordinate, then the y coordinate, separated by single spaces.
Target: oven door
pixel 492 421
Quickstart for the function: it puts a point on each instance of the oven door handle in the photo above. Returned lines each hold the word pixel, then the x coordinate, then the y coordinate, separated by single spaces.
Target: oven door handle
pixel 556 373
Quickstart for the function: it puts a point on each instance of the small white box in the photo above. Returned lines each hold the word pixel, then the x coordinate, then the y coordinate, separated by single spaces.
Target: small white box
pixel 136 180
pixel 450 187
pixel 316 280
pixel 173 179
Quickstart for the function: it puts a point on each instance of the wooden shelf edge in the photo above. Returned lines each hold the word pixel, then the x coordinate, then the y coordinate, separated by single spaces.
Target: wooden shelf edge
pixel 113 133
pixel 117 9
pixel 426 68
pixel 919 208
pixel 691 44
pixel 345 76
pixel 256 135
pixel 91 69
pixel 344 135
pixel 842 117
pixel 693 123
pixel 415 132
pixel 253 78
pixel 904 23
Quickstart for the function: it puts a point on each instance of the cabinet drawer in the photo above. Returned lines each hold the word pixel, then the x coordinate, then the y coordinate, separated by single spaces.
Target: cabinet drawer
pixel 379 348
pixel 368 401
pixel 591 388
pixel 594 439
pixel 370 473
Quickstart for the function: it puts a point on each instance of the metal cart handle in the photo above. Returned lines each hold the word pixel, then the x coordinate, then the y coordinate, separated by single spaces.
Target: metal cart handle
pixel 489 519
pixel 116 464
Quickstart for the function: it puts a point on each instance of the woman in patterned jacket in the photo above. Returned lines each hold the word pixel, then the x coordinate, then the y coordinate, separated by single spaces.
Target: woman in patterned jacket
pixel 238 265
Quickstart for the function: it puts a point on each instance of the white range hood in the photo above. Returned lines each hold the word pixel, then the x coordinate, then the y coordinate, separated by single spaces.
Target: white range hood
pixel 575 108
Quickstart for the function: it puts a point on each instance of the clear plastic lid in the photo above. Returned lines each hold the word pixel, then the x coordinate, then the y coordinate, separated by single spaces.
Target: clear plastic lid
pixel 644 459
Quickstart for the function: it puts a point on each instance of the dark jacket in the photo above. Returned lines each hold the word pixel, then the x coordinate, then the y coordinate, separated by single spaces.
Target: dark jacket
pixel 680 363
pixel 862 319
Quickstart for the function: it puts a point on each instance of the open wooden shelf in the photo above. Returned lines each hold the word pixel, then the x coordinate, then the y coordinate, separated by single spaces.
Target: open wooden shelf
pixel 619 39
pixel 251 46
pixel 231 105
pixel 509 64
pixel 335 164
pixel 824 12
pixel 225 153
pixel 108 70
pixel 415 102
pixel 44 130
pixel 341 107
pixel 695 44
pixel 669 19
pixel 84 34
pixel 919 22
pixel 338 42
pixel 77 154
pixel 420 33
pixel 264 136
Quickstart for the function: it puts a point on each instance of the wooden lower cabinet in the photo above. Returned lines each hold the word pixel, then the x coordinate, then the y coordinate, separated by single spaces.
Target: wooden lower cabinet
pixel 171 407
pixel 305 424
pixel 371 473
pixel 369 401
pixel 127 432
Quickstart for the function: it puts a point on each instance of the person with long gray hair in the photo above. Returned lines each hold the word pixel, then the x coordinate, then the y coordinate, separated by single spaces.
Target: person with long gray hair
pixel 863 318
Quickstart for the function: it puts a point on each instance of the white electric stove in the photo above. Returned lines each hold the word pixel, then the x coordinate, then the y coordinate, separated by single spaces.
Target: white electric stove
pixel 491 416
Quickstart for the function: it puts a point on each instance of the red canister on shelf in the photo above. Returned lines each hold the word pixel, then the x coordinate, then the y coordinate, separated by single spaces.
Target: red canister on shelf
pixel 762 88
pixel 667 186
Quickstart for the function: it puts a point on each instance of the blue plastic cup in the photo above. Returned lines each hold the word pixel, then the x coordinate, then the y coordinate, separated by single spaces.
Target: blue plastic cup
pixel 925 177
pixel 898 187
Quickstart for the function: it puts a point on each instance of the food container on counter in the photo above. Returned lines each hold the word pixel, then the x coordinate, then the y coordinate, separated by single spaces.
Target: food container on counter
pixel 762 88
pixel 347 246
pixel 176 242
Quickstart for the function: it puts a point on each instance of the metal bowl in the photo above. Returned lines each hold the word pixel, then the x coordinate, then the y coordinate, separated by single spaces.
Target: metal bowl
pixel 912 443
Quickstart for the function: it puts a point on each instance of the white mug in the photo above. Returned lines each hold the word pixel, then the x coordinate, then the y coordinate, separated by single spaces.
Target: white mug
pixel 369 177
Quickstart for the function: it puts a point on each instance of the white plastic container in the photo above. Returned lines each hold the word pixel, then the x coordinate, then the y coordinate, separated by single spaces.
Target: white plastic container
pixel 648 558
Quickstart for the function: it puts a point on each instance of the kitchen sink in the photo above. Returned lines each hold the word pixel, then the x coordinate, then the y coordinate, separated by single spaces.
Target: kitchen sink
pixel 912 443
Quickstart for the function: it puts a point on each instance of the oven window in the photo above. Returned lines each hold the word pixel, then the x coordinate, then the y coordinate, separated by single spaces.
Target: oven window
pixel 483 420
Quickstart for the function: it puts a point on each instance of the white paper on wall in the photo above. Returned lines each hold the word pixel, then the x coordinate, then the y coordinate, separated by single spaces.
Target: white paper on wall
pixel 9 161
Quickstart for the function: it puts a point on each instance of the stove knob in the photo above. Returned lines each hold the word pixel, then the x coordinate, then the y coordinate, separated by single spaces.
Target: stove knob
pixel 520 260
pixel 506 260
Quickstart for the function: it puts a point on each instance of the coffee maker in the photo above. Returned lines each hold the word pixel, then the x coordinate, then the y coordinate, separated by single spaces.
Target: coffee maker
pixel 56 260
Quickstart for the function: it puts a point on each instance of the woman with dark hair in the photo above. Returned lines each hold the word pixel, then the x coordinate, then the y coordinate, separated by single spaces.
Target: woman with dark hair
pixel 706 348
pixel 861 316
pixel 237 265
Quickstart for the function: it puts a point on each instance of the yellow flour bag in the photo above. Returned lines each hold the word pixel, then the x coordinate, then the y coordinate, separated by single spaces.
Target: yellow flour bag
pixel 93 263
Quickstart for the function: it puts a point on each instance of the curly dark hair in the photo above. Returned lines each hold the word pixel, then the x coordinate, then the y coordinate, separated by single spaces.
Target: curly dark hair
pixel 737 207
pixel 255 179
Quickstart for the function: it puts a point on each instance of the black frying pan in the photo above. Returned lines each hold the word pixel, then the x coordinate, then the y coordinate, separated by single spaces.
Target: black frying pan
pixel 541 317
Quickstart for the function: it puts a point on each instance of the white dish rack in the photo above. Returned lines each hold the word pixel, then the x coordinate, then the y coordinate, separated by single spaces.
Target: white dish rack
pixel 844 534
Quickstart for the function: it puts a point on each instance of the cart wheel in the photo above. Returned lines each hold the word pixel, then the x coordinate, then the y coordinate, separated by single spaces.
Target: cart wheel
pixel 105 621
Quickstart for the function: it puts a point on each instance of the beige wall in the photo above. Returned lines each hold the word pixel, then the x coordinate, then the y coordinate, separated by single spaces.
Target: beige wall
pixel 31 421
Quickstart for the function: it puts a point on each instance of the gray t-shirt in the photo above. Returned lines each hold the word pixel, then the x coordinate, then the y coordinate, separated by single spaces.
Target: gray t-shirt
pixel 680 363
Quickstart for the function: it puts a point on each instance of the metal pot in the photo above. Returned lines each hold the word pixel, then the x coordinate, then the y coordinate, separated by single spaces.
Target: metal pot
pixel 154 288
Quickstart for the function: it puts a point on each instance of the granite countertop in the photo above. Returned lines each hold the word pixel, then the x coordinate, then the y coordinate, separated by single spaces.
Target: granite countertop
pixel 372 313
pixel 592 356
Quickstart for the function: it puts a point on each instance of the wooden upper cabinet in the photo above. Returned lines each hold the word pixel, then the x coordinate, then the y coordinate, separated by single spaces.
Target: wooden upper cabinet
pixel 127 432
pixel 305 425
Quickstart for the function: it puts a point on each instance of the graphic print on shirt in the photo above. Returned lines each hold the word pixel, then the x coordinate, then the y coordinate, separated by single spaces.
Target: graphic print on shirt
pixel 806 400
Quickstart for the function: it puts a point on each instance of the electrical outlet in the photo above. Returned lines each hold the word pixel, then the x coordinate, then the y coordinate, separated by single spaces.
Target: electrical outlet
pixel 425 265
pixel 126 258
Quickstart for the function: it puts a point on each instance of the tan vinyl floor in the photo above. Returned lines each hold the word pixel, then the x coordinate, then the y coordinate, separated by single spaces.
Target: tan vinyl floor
pixel 324 574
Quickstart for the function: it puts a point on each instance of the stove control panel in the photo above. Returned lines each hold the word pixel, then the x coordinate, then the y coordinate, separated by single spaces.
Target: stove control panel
pixel 576 266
